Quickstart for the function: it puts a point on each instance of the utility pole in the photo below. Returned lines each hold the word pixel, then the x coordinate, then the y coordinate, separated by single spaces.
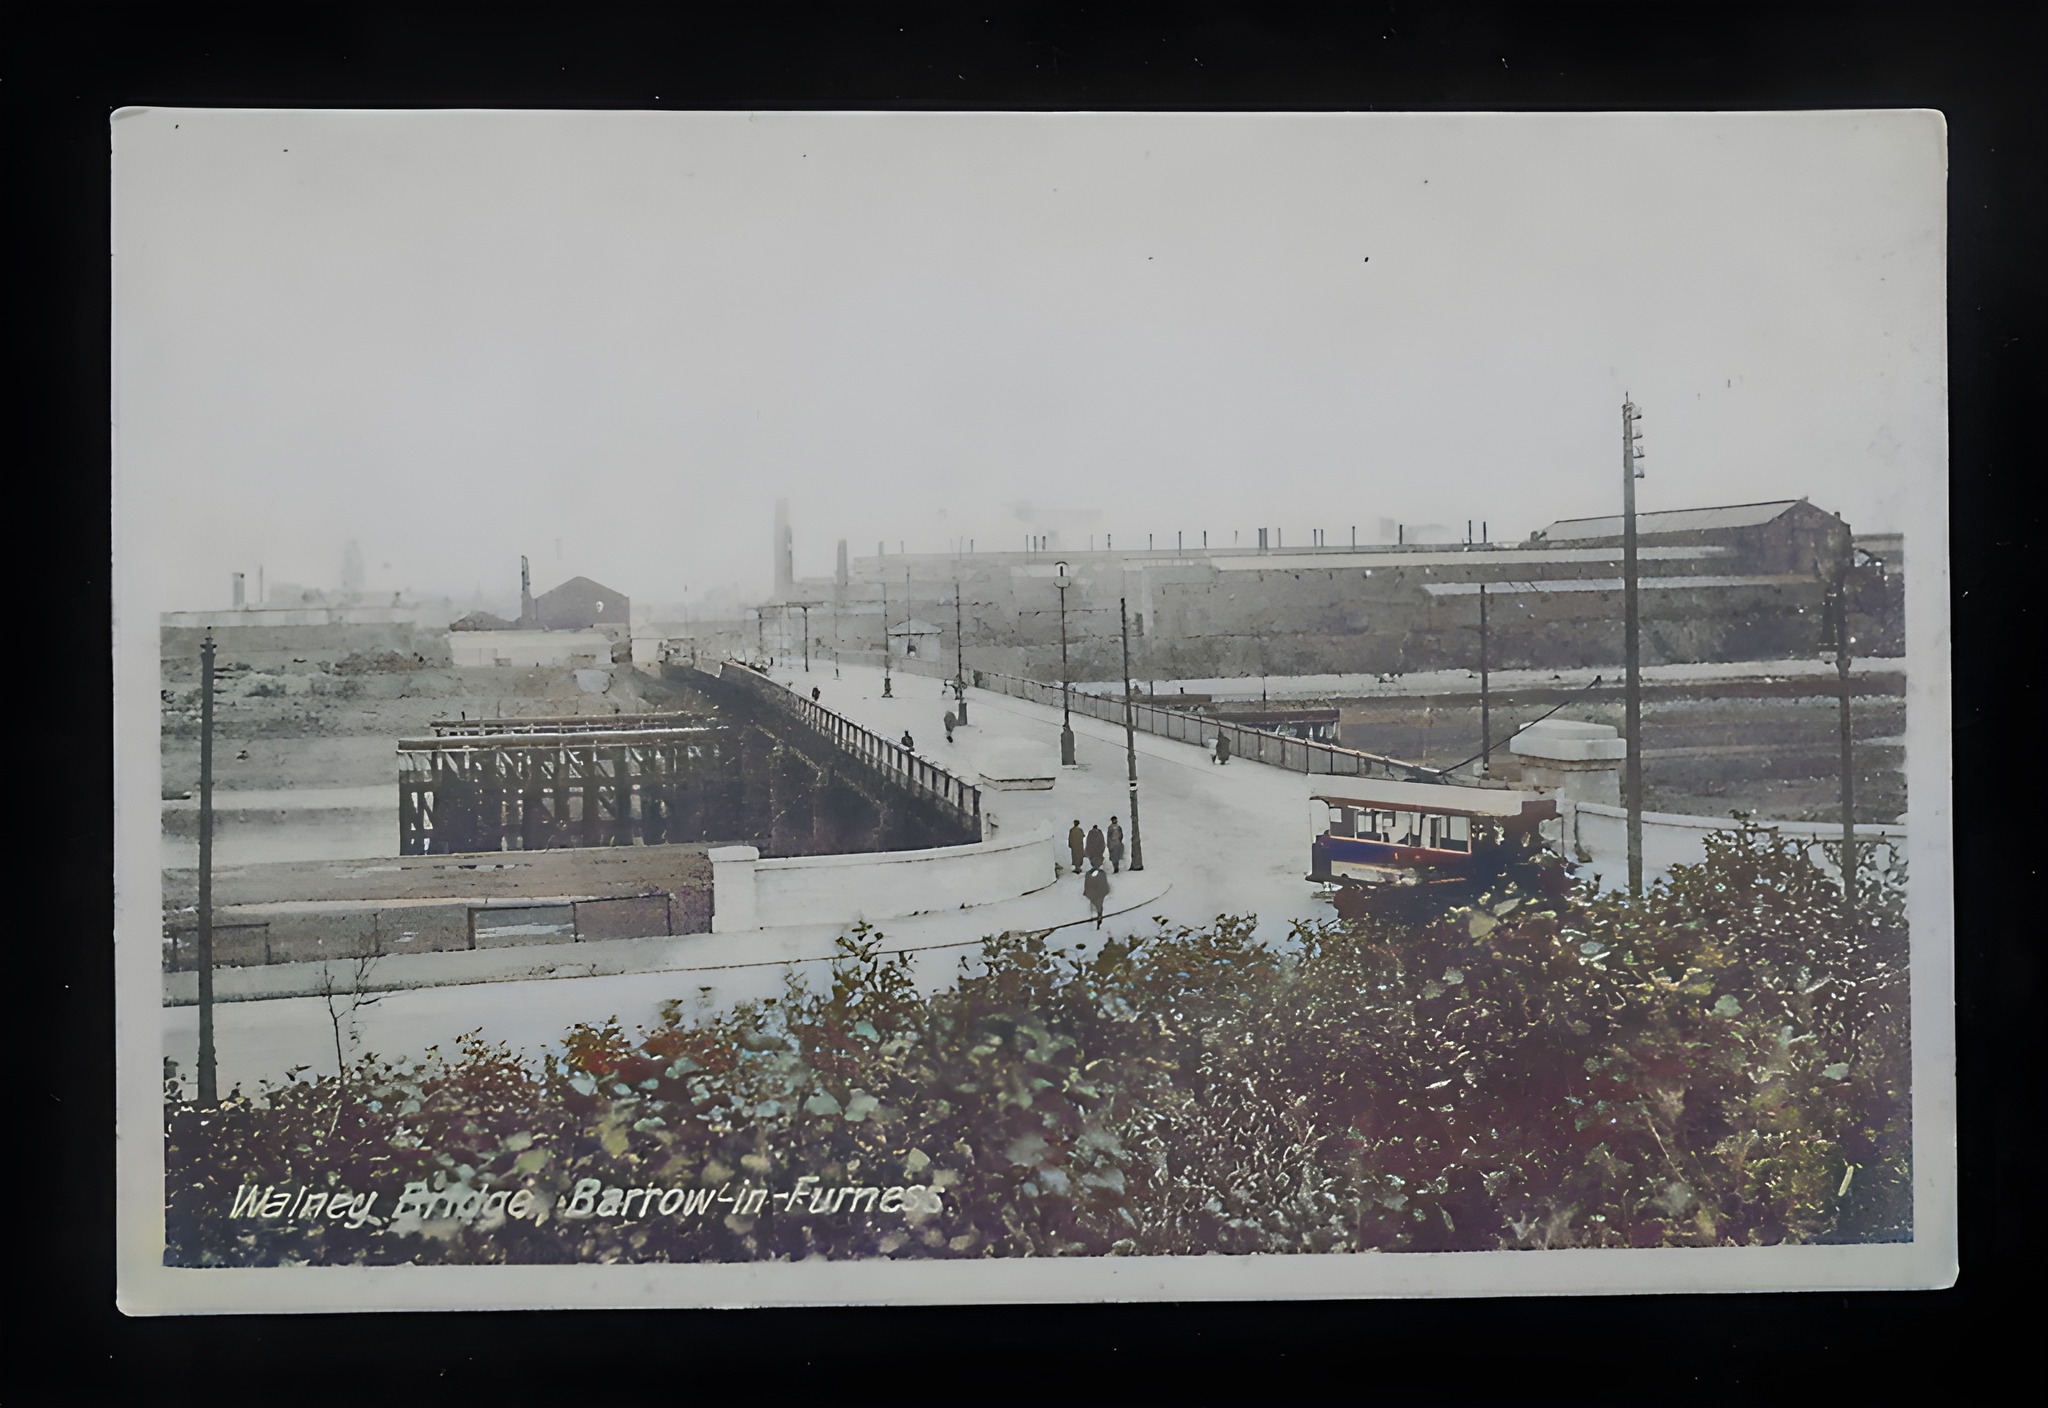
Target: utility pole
pixel 887 691
pixel 1485 695
pixel 1838 615
pixel 1131 739
pixel 1632 692
pixel 209 1092
pixel 959 657
pixel 806 609
pixel 1066 681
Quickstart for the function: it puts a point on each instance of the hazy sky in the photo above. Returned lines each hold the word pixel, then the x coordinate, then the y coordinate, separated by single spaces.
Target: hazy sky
pixel 457 337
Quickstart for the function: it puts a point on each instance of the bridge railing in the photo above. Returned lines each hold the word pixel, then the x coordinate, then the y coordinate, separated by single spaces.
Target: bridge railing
pixel 961 799
pixel 1303 755
pixel 576 723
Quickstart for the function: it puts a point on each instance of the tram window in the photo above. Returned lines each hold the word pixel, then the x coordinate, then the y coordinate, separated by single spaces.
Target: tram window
pixel 1345 823
pixel 1457 833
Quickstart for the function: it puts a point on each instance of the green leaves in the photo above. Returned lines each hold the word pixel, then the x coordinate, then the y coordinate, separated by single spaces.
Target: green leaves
pixel 1536 1070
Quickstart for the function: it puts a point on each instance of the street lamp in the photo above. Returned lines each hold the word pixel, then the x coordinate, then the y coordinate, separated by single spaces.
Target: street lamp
pixel 1063 581
pixel 959 657
pixel 1131 738
pixel 887 691
pixel 1632 693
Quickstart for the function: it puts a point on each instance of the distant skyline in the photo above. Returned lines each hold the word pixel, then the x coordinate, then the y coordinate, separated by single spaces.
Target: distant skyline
pixel 454 338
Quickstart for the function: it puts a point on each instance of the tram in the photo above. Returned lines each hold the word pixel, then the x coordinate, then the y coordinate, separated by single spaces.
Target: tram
pixel 1372 834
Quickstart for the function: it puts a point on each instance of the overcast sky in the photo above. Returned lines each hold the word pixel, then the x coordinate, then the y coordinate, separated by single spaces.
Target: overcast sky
pixel 459 337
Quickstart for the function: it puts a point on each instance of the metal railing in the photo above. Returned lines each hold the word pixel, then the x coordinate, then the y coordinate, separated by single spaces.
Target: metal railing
pixel 1306 756
pixel 580 723
pixel 960 799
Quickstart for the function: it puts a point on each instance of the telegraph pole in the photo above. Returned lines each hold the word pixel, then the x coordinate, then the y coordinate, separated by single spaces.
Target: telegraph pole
pixel 1838 612
pixel 209 1093
pixel 887 692
pixel 1066 685
pixel 1485 696
pixel 1131 738
pixel 959 657
pixel 1632 694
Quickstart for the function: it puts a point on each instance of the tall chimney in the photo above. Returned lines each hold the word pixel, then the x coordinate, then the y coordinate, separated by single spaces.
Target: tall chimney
pixel 238 592
pixel 528 618
pixel 841 577
pixel 785 565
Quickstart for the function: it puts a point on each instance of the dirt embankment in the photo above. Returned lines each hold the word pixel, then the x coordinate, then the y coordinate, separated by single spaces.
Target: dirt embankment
pixel 310 725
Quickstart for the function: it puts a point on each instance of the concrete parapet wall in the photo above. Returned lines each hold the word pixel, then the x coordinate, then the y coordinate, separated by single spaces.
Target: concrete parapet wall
pixel 750 893
pixel 1672 839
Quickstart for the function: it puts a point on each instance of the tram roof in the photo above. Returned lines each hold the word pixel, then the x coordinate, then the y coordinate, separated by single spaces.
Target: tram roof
pixel 1446 798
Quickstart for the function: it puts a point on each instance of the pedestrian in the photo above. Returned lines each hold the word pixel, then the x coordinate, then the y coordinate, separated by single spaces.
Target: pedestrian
pixel 1075 841
pixel 1116 846
pixel 814 694
pixel 1096 888
pixel 951 724
pixel 1223 748
pixel 1096 847
pixel 908 745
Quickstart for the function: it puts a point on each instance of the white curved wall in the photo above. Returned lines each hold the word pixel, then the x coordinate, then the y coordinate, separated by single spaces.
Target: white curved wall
pixel 749 893
pixel 1672 839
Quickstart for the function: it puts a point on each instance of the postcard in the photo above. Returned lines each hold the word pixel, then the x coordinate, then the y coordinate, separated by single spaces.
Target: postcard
pixel 773 708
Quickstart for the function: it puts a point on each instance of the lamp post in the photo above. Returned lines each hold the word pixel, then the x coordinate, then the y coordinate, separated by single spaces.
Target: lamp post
pixel 1632 692
pixel 208 1091
pixel 959 657
pixel 887 691
pixel 1485 695
pixel 1844 579
pixel 1063 581
pixel 1131 739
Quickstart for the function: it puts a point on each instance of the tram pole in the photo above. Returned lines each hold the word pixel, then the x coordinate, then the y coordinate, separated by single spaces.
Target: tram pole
pixel 1485 696
pixel 1632 689
pixel 1839 619
pixel 1131 739
pixel 209 1091
pixel 959 658
pixel 887 691
pixel 1066 679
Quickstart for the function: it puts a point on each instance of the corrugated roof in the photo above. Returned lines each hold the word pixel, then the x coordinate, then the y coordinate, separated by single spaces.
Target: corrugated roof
pixel 1672 520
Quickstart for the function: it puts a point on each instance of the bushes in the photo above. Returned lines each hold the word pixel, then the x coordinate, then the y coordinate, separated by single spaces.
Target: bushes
pixel 1720 1062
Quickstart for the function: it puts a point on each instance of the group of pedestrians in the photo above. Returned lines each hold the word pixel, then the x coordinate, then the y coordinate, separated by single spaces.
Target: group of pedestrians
pixel 1088 851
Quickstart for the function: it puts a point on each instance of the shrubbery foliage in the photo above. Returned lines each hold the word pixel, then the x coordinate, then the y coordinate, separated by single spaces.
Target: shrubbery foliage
pixel 1720 1062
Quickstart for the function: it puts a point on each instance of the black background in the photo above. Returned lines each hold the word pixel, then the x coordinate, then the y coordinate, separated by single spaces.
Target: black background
pixel 66 67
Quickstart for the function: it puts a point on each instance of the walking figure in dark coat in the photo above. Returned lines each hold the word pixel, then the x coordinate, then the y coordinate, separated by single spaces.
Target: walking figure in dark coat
pixel 908 745
pixel 1097 847
pixel 1223 748
pixel 1076 842
pixel 814 694
pixel 1116 846
pixel 951 724
pixel 1096 888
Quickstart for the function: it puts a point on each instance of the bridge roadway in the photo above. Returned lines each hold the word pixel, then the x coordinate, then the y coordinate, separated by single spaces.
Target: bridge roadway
pixel 1218 839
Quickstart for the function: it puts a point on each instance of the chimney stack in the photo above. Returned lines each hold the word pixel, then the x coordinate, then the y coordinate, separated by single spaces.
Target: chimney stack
pixel 785 565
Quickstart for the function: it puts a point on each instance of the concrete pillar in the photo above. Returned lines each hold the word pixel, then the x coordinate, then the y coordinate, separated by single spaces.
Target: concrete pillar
pixel 1575 761
pixel 734 906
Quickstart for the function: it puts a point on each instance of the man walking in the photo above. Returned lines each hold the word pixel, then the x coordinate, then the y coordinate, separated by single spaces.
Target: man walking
pixel 909 745
pixel 1075 841
pixel 1096 888
pixel 1116 846
pixel 1096 847
pixel 1223 748
pixel 951 724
